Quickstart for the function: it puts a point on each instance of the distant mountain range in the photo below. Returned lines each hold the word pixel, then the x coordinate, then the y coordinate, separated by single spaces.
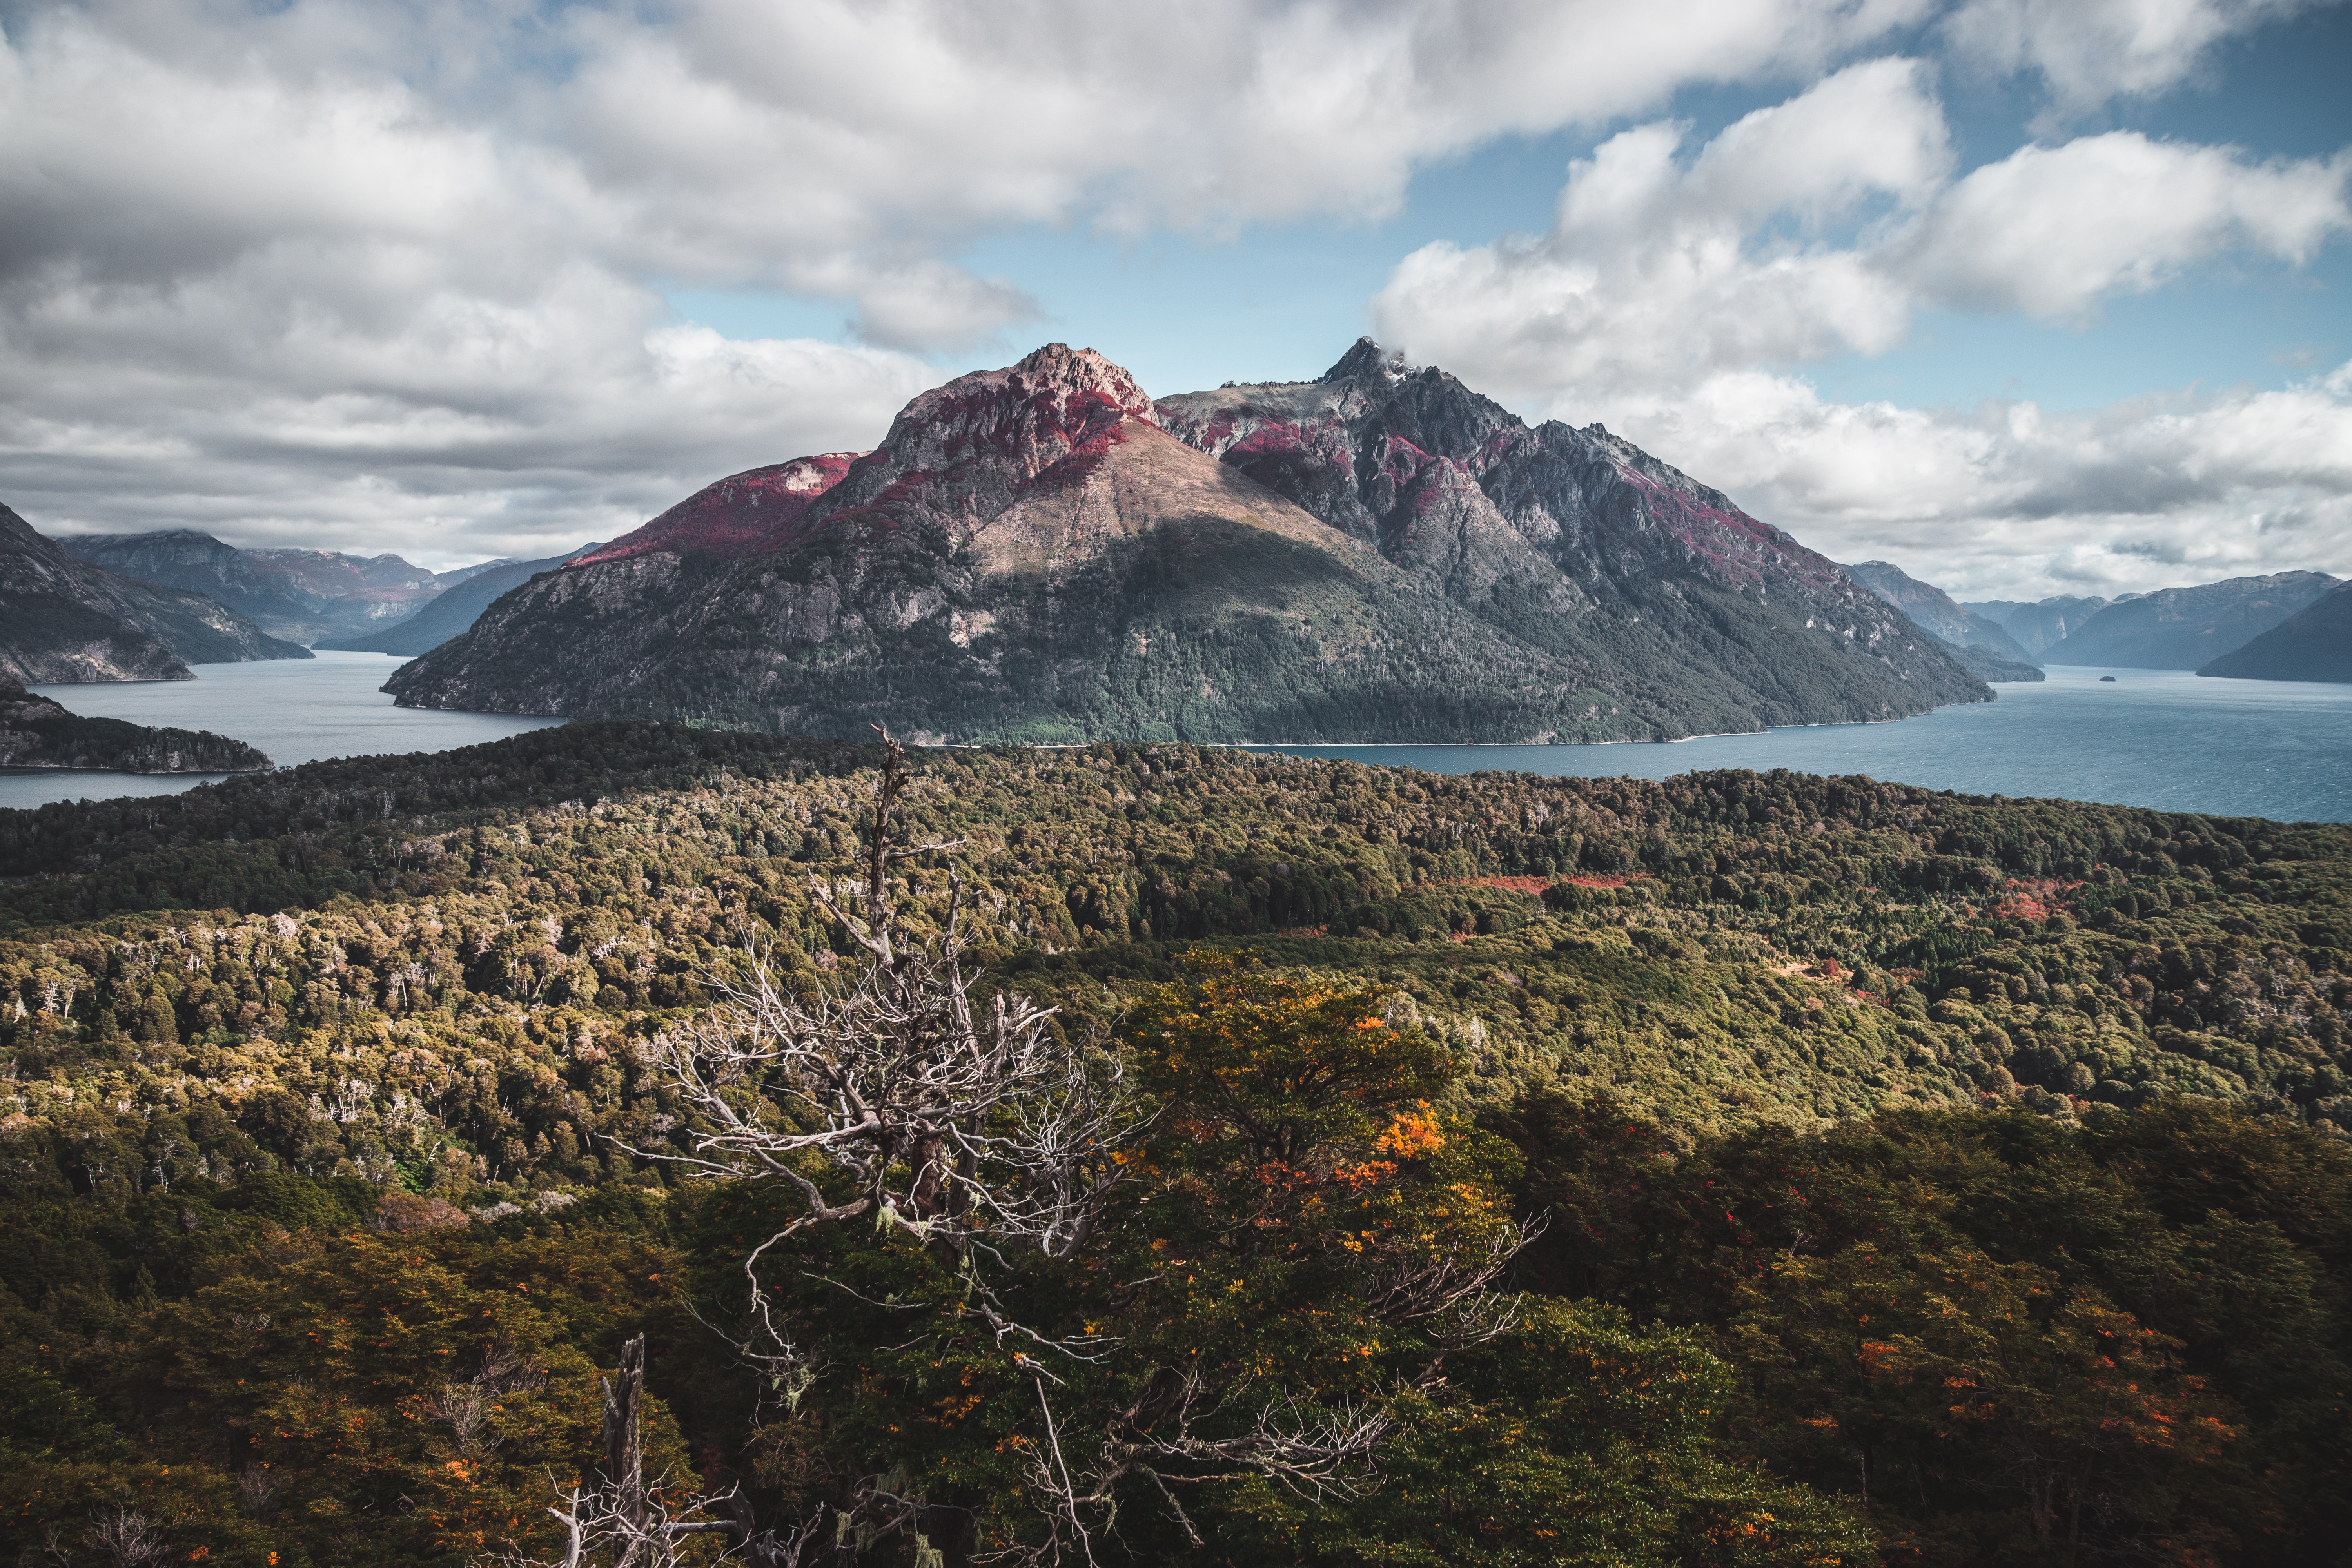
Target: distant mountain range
pixel 2314 644
pixel 63 619
pixel 1042 553
pixel 2187 628
pixel 455 609
pixel 2036 626
pixel 1979 643
pixel 321 598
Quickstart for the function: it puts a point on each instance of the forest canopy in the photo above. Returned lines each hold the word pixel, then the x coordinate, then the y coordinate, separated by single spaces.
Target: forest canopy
pixel 1911 1177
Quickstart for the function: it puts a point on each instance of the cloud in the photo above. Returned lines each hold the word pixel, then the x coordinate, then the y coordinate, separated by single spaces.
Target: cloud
pixel 1818 227
pixel 2006 500
pixel 377 272
pixel 362 269
pixel 1675 289
pixel 2051 231
pixel 2086 52
pixel 1655 273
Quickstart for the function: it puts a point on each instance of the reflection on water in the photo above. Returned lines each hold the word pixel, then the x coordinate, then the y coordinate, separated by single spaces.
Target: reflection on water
pixel 297 710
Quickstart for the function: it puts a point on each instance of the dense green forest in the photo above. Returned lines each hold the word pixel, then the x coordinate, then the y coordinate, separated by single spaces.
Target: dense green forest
pixel 1911 1177
pixel 39 733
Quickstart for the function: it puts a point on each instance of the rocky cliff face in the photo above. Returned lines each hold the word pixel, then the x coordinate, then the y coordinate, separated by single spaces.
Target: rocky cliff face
pixel 1981 645
pixel 64 619
pixel 1578 542
pixel 1033 553
pixel 2187 629
pixel 2035 626
pixel 2314 644
pixel 748 513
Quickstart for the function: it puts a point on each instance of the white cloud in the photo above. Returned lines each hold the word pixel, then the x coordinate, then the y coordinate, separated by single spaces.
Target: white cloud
pixel 1675 289
pixel 2051 231
pixel 2006 500
pixel 356 269
pixel 1658 270
pixel 2089 51
pixel 374 272
pixel 1655 273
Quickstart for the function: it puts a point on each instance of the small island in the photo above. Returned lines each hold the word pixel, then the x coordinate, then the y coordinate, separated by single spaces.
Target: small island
pixel 38 732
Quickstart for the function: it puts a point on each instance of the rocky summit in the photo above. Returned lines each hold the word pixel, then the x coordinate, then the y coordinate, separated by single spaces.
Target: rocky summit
pixel 1042 553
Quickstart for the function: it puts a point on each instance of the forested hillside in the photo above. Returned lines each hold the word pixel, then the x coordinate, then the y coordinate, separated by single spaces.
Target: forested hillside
pixel 1837 1097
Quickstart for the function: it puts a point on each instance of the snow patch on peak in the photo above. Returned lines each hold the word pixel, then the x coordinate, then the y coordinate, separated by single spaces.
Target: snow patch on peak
pixel 1369 358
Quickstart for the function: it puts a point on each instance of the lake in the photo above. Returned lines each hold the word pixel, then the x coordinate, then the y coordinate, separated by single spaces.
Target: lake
pixel 2158 738
pixel 297 710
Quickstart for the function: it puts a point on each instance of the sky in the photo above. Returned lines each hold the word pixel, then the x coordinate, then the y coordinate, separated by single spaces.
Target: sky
pixel 2028 297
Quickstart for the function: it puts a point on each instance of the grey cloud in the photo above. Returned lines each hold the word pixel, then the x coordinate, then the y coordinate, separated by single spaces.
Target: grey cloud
pixel 362 272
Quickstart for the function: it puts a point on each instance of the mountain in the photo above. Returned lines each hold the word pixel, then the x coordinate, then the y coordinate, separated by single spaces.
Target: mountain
pixel 1576 542
pixel 456 608
pixel 2312 644
pixel 309 595
pixel 2187 629
pixel 1031 555
pixel 1977 641
pixel 63 619
pixel 748 513
pixel 2036 625
pixel 37 732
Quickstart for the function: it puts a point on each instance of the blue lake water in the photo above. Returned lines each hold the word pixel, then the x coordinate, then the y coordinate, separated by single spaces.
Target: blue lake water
pixel 297 710
pixel 2159 738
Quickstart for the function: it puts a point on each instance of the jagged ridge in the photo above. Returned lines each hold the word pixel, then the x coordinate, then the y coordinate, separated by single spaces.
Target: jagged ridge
pixel 1029 554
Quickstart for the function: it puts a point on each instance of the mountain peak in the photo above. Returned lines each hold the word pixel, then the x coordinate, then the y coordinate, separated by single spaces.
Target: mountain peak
pixel 1082 370
pixel 1366 358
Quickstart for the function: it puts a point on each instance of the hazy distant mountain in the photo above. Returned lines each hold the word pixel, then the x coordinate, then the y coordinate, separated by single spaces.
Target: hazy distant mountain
pixel 1980 644
pixel 2314 644
pixel 39 733
pixel 1382 554
pixel 308 595
pixel 63 619
pixel 2036 625
pixel 2187 629
pixel 457 608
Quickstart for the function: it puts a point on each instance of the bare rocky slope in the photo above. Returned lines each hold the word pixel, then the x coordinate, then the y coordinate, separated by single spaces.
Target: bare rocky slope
pixel 64 619
pixel 1041 554
pixel 1979 642
pixel 2035 626
pixel 456 610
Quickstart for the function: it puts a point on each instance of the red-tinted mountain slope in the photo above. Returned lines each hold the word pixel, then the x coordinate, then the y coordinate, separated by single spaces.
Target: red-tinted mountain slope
pixel 743 514
pixel 1574 540
pixel 1029 555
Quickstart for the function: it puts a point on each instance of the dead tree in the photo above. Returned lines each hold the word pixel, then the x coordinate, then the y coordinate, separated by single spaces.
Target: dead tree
pixel 971 1128
pixel 887 1095
pixel 619 1519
